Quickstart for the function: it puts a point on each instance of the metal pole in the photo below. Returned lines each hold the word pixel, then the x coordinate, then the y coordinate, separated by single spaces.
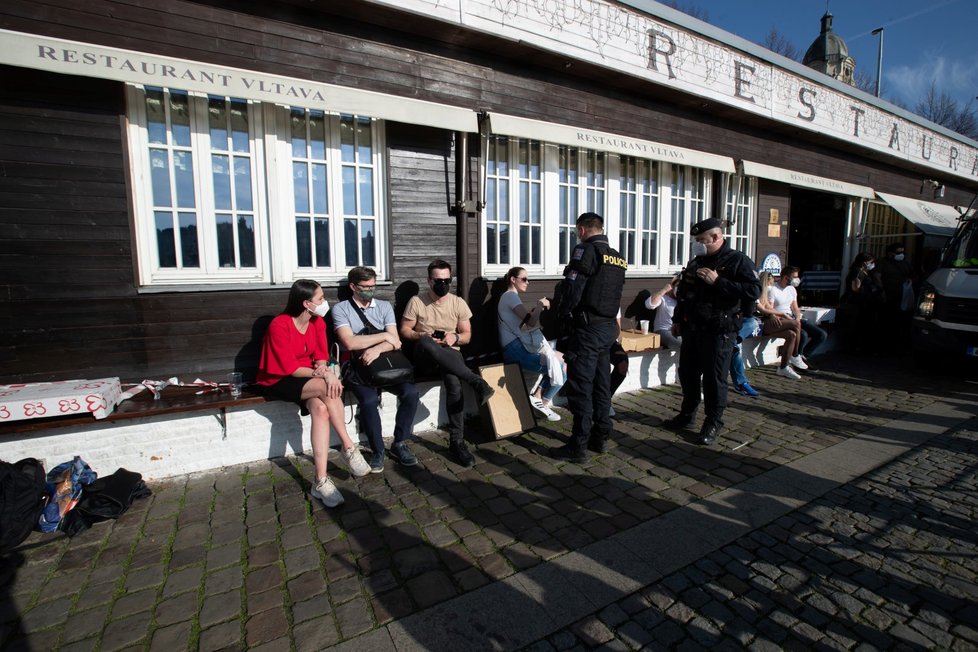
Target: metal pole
pixel 879 60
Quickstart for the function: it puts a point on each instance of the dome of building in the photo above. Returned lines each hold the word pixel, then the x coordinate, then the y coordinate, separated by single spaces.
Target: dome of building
pixel 829 54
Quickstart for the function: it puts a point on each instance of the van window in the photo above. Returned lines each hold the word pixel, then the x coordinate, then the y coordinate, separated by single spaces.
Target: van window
pixel 962 251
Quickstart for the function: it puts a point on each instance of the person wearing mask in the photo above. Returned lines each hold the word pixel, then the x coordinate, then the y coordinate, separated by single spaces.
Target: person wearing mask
pixel 861 304
pixel 519 327
pixel 295 367
pixel 351 333
pixel 895 276
pixel 438 322
pixel 587 303
pixel 712 291
pixel 664 304
pixel 777 324
pixel 784 298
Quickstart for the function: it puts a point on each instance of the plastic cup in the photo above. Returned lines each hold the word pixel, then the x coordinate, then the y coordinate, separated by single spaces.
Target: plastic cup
pixel 644 325
pixel 235 382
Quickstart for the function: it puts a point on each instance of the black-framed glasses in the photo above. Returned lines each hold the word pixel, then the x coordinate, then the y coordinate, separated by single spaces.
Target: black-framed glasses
pixel 366 287
pixel 523 279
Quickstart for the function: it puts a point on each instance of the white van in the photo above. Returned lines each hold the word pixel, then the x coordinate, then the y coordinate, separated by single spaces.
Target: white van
pixel 945 325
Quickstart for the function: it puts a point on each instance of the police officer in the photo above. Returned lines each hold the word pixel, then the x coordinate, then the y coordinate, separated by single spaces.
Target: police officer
pixel 587 302
pixel 712 293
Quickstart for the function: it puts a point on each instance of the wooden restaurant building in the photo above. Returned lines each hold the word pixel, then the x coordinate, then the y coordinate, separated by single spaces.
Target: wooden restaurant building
pixel 169 168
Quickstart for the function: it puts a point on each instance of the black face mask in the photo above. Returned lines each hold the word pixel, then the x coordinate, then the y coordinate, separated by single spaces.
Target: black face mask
pixel 441 286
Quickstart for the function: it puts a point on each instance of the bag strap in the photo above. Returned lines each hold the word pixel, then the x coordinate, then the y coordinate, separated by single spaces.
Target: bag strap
pixel 363 317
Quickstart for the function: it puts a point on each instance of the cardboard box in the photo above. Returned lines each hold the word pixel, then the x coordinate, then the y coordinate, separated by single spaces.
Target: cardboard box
pixel 636 341
pixel 37 400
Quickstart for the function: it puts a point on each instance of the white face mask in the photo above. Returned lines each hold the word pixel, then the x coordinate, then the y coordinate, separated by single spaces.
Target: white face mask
pixel 795 282
pixel 898 257
pixel 870 266
pixel 698 248
pixel 321 309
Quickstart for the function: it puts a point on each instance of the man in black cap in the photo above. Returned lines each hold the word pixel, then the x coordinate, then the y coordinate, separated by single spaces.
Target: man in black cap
pixel 587 303
pixel 715 290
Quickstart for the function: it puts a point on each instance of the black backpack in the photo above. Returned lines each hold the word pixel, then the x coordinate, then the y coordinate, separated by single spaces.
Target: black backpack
pixel 23 493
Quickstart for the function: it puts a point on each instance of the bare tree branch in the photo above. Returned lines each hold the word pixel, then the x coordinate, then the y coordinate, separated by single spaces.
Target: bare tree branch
pixel 776 41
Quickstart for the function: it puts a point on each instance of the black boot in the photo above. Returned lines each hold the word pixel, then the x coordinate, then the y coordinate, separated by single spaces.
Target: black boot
pixel 483 391
pixel 459 452
pixel 571 452
pixel 597 443
pixel 709 432
pixel 681 420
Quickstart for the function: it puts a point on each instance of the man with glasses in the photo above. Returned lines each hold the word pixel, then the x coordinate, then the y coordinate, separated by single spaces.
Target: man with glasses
pixel 438 323
pixel 350 333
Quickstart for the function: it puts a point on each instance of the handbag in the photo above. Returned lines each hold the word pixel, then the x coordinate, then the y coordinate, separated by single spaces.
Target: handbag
pixel 390 367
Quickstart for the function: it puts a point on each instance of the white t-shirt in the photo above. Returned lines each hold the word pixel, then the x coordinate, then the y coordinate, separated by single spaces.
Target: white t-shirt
pixel 663 312
pixel 510 327
pixel 782 298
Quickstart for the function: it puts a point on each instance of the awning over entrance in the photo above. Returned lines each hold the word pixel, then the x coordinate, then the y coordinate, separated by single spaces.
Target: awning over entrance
pixel 792 178
pixel 128 66
pixel 507 125
pixel 929 217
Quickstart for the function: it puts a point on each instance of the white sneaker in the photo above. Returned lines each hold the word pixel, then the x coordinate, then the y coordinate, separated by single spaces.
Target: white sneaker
pixel 358 465
pixel 788 372
pixel 327 492
pixel 544 409
pixel 796 361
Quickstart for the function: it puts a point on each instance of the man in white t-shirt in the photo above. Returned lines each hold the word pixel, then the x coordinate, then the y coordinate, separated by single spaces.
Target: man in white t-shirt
pixel 784 298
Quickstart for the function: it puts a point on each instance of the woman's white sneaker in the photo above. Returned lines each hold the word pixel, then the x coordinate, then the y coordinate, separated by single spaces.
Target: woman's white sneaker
pixel 788 372
pixel 796 361
pixel 544 409
pixel 354 458
pixel 327 492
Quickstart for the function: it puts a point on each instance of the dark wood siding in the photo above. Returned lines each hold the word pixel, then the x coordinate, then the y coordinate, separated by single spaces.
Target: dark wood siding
pixel 777 196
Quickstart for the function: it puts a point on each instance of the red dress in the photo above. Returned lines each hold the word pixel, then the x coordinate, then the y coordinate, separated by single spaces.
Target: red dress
pixel 285 349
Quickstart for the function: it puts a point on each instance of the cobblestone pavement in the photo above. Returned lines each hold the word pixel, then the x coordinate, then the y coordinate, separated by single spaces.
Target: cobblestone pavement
pixel 242 558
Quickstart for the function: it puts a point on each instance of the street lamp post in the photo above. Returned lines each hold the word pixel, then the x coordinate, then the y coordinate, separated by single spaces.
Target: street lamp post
pixel 879 60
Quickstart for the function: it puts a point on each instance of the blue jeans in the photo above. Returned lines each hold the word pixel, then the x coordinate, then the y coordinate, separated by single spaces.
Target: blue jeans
pixel 368 398
pixel 813 337
pixel 516 352
pixel 738 372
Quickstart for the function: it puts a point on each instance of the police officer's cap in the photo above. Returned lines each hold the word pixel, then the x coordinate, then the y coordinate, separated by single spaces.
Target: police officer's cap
pixel 706 225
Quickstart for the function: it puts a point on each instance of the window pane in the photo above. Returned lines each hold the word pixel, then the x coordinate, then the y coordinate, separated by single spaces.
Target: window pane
pixel 492 252
pixel 364 141
pixel 155 117
pixel 367 240
pixel 242 183
pixel 303 242
pixel 183 172
pixel 347 137
pixel 159 163
pixel 180 118
pixel 317 135
pixel 166 248
pixel 349 190
pixel 319 193
pixel 350 237
pixel 366 192
pixel 225 240
pixel 239 126
pixel 217 121
pixel 300 189
pixel 322 242
pixel 298 133
pixel 246 241
pixel 188 240
pixel 504 244
pixel 524 244
pixel 504 200
pixel 221 181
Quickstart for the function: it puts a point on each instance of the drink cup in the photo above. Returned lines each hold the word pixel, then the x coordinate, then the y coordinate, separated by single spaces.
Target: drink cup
pixel 235 382
pixel 644 325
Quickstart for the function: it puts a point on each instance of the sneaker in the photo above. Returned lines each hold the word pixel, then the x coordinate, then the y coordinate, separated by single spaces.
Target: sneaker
pixel 403 454
pixel 788 372
pixel 460 453
pixel 544 409
pixel 354 459
pixel 746 390
pixel 796 361
pixel 327 492
pixel 483 391
pixel 377 462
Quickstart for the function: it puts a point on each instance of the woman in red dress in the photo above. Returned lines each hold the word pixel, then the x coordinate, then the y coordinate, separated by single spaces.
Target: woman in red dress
pixel 295 367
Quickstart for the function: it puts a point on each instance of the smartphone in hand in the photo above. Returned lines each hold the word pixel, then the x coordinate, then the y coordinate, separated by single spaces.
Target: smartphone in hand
pixel 438 335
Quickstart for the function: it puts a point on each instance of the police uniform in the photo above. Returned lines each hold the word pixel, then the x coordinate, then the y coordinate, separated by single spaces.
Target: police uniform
pixel 587 303
pixel 709 317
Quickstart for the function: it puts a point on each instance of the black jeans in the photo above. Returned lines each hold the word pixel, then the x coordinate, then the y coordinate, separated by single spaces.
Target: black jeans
pixel 704 357
pixel 588 387
pixel 447 363
pixel 368 398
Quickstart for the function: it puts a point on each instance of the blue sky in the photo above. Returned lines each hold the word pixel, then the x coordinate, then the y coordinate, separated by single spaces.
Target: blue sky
pixel 923 40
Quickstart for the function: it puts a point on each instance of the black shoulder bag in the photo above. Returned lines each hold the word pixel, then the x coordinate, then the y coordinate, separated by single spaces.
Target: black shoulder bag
pixel 390 367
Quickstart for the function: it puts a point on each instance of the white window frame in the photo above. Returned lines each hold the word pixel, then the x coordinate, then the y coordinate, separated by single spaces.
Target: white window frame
pixel 273 204
pixel 742 191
